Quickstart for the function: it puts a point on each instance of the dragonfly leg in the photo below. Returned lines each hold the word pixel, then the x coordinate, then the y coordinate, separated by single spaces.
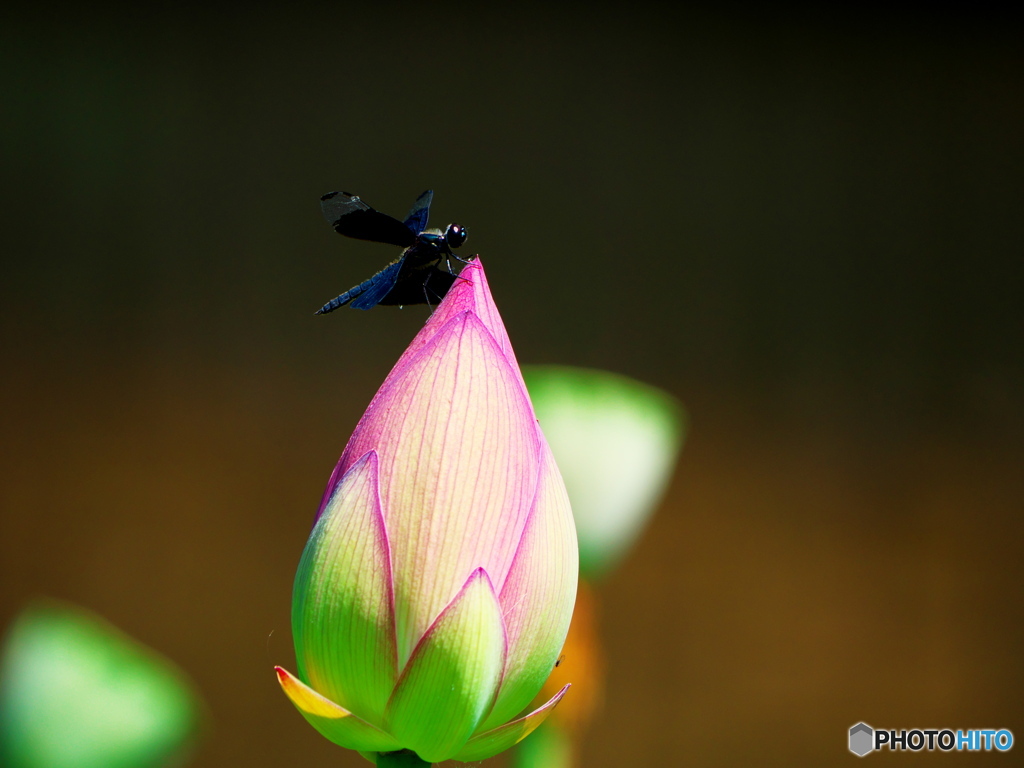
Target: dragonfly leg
pixel 465 261
pixel 449 254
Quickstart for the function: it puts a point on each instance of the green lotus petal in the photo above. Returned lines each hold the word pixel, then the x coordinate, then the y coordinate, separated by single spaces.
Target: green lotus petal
pixel 77 693
pixel 499 739
pixel 342 616
pixel 616 441
pixel 450 681
pixel 336 723
pixel 537 596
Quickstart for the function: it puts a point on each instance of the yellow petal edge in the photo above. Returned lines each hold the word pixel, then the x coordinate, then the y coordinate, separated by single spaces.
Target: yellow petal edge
pixel 334 722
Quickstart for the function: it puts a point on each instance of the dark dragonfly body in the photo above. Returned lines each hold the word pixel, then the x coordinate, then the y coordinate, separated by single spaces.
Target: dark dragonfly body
pixel 415 277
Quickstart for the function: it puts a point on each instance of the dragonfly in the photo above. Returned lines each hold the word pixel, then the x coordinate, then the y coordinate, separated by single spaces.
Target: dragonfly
pixel 416 276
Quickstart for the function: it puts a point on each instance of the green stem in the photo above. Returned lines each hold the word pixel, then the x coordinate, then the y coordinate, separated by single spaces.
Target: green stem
pixel 404 758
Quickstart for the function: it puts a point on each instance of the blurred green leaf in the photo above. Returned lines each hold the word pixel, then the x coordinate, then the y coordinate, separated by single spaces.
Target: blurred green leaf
pixel 75 692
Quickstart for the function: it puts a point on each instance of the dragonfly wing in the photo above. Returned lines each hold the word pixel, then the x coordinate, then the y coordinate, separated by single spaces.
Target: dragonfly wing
pixel 418 216
pixel 351 217
pixel 378 286
pixel 426 285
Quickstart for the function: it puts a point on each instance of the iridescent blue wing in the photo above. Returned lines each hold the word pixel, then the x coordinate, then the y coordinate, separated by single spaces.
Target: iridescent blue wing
pixel 368 293
pixel 426 285
pixel 379 286
pixel 351 217
pixel 420 213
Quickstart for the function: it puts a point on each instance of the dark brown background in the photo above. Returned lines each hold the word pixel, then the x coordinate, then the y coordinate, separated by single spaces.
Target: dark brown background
pixel 807 227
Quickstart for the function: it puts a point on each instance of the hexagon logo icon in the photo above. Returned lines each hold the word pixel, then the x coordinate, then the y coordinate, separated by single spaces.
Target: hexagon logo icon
pixel 862 737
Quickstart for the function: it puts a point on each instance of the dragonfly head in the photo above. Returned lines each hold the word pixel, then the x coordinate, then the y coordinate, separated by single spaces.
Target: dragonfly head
pixel 455 235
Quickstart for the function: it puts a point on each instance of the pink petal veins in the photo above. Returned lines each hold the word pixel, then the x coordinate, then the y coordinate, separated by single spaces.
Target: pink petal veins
pixel 458 452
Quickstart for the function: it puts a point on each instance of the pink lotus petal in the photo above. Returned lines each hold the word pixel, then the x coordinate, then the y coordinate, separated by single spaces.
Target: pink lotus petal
pixel 458 455
pixel 538 595
pixel 470 293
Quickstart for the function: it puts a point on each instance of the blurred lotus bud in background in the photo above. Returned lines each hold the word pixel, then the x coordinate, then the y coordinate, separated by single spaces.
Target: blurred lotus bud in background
pixel 615 441
pixel 75 692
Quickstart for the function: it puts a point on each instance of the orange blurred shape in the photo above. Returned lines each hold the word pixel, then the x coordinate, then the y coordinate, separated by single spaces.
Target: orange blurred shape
pixel 580 663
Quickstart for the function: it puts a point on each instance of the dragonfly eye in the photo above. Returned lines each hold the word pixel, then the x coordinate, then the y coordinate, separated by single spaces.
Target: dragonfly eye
pixel 455 235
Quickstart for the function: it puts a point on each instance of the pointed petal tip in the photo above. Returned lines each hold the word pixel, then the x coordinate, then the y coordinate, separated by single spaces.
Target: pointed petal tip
pixel 342 468
pixel 480 573
pixel 490 743
pixel 306 699
pixel 553 701
pixel 450 680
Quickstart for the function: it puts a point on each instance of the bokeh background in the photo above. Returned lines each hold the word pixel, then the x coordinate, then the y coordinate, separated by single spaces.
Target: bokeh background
pixel 806 226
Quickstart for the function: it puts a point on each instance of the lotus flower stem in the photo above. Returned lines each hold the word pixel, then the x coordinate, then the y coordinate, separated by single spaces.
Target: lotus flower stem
pixel 403 758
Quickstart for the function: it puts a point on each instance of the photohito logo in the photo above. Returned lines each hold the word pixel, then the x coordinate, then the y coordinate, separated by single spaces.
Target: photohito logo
pixel 865 739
